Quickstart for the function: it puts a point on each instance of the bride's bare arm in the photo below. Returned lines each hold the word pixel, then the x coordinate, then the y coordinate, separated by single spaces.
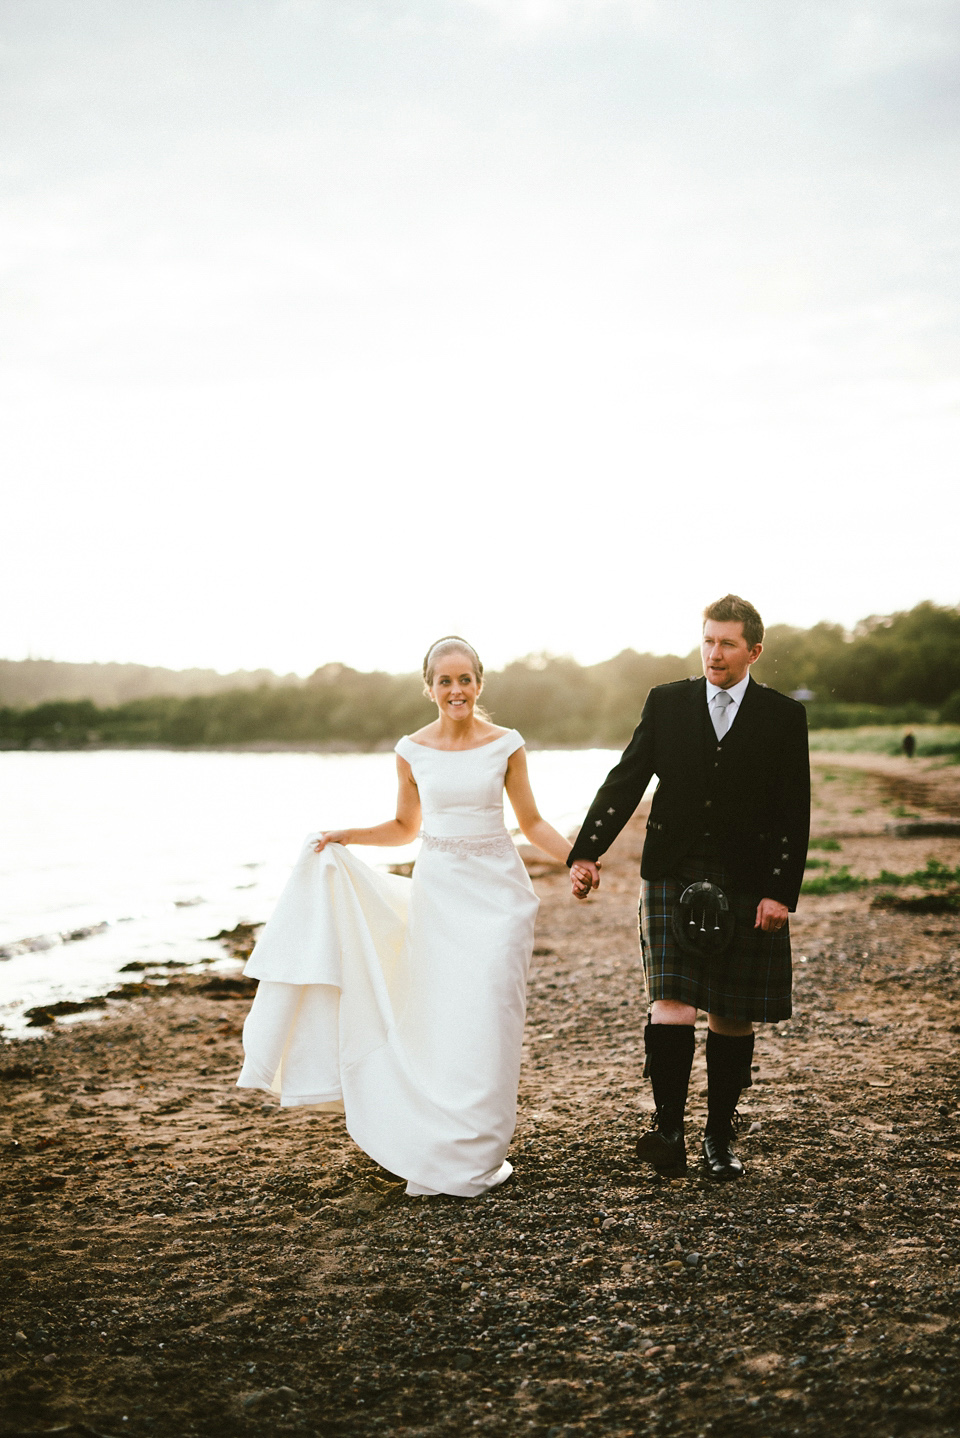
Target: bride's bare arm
pixel 532 824
pixel 394 832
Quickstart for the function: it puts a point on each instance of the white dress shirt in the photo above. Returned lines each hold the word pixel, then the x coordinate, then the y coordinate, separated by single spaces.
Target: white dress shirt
pixel 736 694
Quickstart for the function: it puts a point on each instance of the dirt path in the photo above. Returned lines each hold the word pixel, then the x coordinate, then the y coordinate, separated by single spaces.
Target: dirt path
pixel 934 784
pixel 180 1258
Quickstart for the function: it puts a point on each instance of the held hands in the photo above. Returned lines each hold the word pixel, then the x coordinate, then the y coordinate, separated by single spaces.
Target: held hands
pixel 584 877
pixel 332 836
pixel 771 915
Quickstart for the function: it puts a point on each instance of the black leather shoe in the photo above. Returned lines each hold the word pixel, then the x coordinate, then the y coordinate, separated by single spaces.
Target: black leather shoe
pixel 665 1149
pixel 720 1163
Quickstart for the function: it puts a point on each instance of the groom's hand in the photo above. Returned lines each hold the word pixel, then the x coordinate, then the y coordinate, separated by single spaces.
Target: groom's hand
pixel 771 915
pixel 585 877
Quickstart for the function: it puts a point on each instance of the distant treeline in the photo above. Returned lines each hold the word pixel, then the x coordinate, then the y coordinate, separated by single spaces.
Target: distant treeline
pixel 903 668
pixel 25 683
pixel 550 700
pixel 907 658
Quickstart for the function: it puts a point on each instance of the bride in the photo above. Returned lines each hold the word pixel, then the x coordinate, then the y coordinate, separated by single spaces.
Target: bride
pixel 401 1001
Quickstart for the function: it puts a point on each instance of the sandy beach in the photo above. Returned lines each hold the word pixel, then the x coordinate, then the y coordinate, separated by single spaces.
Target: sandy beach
pixel 180 1257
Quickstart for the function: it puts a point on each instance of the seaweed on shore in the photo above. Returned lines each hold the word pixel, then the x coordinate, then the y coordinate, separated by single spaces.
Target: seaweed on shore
pixel 240 940
pixel 44 1014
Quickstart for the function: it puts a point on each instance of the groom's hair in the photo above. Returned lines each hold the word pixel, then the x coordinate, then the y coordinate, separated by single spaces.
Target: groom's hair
pixel 731 609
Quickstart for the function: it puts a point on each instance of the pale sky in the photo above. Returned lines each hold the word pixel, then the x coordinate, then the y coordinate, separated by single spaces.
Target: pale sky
pixel 331 326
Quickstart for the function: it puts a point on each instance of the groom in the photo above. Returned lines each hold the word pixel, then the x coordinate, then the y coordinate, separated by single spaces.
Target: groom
pixel 731 814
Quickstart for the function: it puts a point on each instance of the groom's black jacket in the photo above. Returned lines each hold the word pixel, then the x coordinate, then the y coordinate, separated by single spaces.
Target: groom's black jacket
pixel 748 793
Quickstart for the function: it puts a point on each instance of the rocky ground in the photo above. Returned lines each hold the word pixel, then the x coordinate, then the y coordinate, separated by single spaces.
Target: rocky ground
pixel 182 1258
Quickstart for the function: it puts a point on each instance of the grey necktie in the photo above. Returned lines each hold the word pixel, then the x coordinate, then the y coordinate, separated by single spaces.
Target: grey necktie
pixel 720 712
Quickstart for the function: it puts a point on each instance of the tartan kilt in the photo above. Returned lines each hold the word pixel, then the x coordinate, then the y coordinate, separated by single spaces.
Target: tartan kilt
pixel 750 982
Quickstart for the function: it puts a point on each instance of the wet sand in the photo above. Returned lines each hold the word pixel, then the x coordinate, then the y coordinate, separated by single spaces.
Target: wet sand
pixel 183 1258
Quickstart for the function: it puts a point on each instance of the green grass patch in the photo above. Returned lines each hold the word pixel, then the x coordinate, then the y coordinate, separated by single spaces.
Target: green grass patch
pixel 826 715
pixel 934 875
pixel 830 846
pixel 838 881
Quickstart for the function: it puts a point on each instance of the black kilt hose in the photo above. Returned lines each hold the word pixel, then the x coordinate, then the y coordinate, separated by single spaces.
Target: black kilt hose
pixel 750 982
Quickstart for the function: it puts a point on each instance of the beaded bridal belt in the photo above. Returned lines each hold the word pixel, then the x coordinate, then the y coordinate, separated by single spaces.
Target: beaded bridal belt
pixel 469 843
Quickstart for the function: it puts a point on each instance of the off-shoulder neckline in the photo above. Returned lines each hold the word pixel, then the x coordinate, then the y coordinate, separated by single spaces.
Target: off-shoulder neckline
pixel 474 748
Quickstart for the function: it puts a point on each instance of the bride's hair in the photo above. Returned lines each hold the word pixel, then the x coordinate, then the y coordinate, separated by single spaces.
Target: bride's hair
pixel 449 644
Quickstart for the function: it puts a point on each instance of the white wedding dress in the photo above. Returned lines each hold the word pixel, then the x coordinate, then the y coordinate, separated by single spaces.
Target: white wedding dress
pixel 402 1002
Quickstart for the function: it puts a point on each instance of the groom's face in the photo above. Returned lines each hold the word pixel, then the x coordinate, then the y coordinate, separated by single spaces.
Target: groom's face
pixel 726 654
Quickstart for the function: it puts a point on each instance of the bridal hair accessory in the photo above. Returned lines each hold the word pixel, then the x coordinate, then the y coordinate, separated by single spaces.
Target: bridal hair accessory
pixel 449 644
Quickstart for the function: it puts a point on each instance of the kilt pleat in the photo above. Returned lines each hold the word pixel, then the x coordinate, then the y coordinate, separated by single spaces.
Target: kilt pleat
pixel 750 982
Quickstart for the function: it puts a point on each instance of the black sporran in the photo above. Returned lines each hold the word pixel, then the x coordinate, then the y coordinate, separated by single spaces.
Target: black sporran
pixel 702 920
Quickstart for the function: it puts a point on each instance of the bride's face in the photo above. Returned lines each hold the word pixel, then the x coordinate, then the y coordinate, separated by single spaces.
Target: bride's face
pixel 455 688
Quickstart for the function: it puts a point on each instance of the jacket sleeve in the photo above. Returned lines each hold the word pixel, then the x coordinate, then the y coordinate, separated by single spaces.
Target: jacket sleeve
pixel 620 793
pixel 787 852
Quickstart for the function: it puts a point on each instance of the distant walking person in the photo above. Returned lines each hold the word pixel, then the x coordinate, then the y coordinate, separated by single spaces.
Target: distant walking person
pixel 722 866
pixel 909 745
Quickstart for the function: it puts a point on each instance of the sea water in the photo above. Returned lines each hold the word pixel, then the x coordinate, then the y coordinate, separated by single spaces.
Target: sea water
pixel 120 856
